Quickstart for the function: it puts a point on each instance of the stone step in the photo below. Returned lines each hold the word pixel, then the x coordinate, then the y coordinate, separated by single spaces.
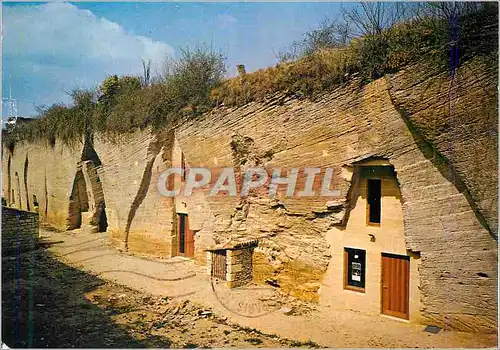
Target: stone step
pixel 86 218
pixel 89 228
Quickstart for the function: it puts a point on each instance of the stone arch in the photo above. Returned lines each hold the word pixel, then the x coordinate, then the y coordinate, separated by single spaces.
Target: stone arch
pixel 97 206
pixel 78 201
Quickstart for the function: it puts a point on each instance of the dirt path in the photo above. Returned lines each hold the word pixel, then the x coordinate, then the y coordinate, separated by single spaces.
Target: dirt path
pixel 255 307
pixel 49 304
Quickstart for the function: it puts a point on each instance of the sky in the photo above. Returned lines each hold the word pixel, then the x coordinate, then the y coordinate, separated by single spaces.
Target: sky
pixel 51 48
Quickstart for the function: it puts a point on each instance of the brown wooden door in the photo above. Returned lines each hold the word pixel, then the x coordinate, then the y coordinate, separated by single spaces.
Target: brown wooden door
pixel 185 236
pixel 395 285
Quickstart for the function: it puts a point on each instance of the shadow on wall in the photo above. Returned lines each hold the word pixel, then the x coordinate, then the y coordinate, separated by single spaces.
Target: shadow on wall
pixel 87 206
pixel 445 167
pixel 26 163
pixel 78 202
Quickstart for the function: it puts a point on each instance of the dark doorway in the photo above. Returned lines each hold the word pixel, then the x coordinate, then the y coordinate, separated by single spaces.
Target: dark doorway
pixel 10 191
pixel 185 236
pixel 78 202
pixel 26 184
pixel 374 196
pixel 103 220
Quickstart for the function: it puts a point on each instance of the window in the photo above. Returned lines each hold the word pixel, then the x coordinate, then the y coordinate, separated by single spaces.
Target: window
pixel 354 269
pixel 373 200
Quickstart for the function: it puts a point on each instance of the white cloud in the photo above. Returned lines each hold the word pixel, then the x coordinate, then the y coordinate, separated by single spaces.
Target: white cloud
pixel 51 48
pixel 226 21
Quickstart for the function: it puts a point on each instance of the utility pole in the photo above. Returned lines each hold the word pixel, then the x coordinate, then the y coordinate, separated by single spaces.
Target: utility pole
pixel 12 114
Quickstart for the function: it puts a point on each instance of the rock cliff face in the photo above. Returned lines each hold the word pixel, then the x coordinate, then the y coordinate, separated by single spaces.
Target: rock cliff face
pixel 139 218
pixel 41 175
pixel 443 151
pixel 458 118
pixel 444 212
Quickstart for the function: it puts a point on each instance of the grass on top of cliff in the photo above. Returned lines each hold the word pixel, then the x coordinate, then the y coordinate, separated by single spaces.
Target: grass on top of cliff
pixel 387 40
pixel 326 58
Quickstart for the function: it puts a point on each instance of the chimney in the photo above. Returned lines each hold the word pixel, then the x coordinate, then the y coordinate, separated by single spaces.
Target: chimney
pixel 241 69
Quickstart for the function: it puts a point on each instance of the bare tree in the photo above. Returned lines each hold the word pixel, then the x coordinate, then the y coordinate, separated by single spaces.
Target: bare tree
pixel 146 73
pixel 373 18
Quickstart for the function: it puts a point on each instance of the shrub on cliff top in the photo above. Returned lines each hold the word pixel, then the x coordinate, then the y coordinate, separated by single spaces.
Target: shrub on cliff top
pixel 330 54
pixel 184 89
pixel 327 57
pixel 58 121
pixel 124 104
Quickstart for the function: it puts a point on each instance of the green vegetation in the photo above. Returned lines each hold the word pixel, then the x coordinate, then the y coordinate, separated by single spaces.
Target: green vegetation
pixel 376 39
pixel 371 40
pixel 125 104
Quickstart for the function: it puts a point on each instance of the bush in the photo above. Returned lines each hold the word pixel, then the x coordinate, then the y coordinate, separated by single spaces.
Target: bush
pixel 324 58
pixel 192 77
pixel 390 41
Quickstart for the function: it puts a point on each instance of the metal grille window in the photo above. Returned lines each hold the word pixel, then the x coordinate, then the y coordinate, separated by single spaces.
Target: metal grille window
pixel 354 269
pixel 219 264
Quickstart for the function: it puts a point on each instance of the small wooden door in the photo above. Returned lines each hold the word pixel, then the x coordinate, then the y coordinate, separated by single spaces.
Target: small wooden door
pixel 396 285
pixel 185 236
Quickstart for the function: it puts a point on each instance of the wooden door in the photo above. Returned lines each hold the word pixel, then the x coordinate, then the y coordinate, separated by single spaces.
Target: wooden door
pixel 185 236
pixel 395 285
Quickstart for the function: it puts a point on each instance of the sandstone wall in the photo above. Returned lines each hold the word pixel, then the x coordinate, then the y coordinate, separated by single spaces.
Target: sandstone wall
pixel 49 171
pixel 458 252
pixel 138 216
pixel 459 118
pixel 449 211
pixel 19 230
pixel 127 172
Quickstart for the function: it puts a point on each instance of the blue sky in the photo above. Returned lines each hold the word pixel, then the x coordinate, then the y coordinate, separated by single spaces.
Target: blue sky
pixel 50 48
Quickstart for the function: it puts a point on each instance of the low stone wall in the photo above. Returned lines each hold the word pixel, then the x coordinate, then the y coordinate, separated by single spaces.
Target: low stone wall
pixel 239 267
pixel 19 230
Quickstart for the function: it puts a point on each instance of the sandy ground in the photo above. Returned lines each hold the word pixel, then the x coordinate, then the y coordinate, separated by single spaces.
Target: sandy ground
pixel 46 303
pixel 255 307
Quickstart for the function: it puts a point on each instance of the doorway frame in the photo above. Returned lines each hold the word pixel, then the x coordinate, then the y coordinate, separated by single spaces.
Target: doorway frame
pixel 188 237
pixel 390 313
